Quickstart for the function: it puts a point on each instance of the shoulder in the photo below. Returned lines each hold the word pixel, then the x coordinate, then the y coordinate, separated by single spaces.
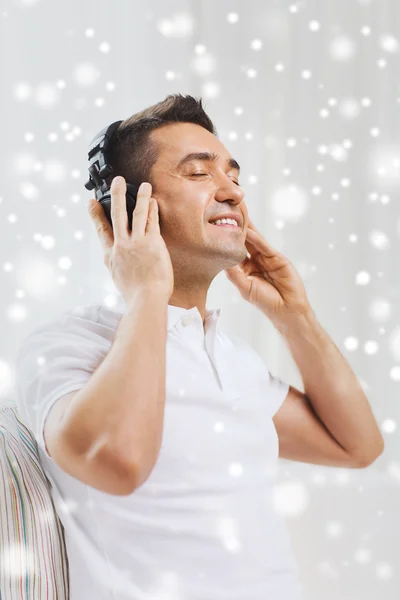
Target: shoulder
pixel 67 325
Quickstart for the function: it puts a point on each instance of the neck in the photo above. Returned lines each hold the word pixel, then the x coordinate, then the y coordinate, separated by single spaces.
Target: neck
pixel 188 298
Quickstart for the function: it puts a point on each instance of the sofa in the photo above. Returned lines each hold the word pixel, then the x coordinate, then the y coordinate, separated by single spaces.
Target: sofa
pixel 33 557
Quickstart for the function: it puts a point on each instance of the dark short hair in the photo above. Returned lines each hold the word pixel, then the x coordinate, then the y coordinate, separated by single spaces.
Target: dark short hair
pixel 132 153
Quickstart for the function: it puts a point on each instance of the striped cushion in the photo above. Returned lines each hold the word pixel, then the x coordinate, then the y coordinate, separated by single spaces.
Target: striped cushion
pixel 33 557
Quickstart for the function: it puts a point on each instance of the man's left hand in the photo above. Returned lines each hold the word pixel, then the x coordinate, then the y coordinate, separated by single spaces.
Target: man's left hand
pixel 269 280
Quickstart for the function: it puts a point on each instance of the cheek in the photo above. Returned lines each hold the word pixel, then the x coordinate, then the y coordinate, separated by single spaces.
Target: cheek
pixel 184 208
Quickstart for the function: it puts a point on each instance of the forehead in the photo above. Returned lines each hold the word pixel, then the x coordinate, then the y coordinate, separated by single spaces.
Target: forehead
pixel 175 140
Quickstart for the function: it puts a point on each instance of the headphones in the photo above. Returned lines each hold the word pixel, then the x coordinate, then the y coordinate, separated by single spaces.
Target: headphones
pixel 100 172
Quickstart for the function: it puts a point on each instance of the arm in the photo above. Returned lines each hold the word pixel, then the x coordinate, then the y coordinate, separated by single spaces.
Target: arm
pixel 333 400
pixel 117 418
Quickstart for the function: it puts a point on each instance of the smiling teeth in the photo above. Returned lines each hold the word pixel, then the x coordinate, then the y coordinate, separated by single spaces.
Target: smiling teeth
pixel 228 221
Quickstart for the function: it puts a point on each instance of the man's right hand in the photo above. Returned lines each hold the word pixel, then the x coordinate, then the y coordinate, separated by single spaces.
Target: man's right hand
pixel 138 259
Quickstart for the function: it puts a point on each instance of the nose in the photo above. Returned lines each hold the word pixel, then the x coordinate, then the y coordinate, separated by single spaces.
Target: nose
pixel 228 190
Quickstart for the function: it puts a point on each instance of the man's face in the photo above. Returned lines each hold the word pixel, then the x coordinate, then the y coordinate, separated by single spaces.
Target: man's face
pixel 187 201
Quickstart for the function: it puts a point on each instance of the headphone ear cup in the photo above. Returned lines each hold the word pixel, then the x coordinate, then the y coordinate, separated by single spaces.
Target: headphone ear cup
pixel 131 196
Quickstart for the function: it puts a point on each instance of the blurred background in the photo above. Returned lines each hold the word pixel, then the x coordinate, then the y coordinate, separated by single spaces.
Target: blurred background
pixel 306 96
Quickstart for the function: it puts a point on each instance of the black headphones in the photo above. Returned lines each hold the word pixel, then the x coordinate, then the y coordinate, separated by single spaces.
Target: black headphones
pixel 100 172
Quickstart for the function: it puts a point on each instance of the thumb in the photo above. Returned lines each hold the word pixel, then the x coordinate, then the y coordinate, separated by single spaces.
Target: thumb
pixel 101 224
pixel 95 210
pixel 100 221
pixel 238 277
pixel 92 206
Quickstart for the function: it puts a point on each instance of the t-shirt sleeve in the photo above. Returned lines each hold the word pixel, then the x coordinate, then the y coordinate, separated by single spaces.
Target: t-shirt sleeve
pixel 55 359
pixel 250 361
pixel 278 390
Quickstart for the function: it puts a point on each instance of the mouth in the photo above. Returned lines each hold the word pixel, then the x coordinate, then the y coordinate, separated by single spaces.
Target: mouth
pixel 226 226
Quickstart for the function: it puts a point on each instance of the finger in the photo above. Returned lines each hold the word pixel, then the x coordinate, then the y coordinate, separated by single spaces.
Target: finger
pixel 119 216
pixel 141 212
pixel 153 224
pixel 258 243
pixel 251 225
pixel 252 249
pixel 103 227
pixel 246 264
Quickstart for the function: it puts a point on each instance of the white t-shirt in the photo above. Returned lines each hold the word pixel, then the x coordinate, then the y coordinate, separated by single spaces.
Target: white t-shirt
pixel 202 526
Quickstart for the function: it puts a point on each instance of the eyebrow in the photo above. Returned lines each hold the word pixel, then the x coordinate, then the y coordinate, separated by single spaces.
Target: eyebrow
pixel 231 162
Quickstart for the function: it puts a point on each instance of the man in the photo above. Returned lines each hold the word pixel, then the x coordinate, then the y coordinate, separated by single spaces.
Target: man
pixel 158 431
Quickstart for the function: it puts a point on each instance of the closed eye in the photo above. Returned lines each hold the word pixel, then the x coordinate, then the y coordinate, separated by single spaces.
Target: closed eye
pixel 201 174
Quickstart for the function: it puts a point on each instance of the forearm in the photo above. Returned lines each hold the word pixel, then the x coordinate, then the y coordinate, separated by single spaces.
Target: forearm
pixel 331 386
pixel 120 412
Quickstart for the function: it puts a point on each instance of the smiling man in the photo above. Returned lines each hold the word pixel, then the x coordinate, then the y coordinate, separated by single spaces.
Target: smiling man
pixel 195 181
pixel 162 430
pixel 195 190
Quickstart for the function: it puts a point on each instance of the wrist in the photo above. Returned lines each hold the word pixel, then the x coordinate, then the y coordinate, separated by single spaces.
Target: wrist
pixel 297 323
pixel 146 293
